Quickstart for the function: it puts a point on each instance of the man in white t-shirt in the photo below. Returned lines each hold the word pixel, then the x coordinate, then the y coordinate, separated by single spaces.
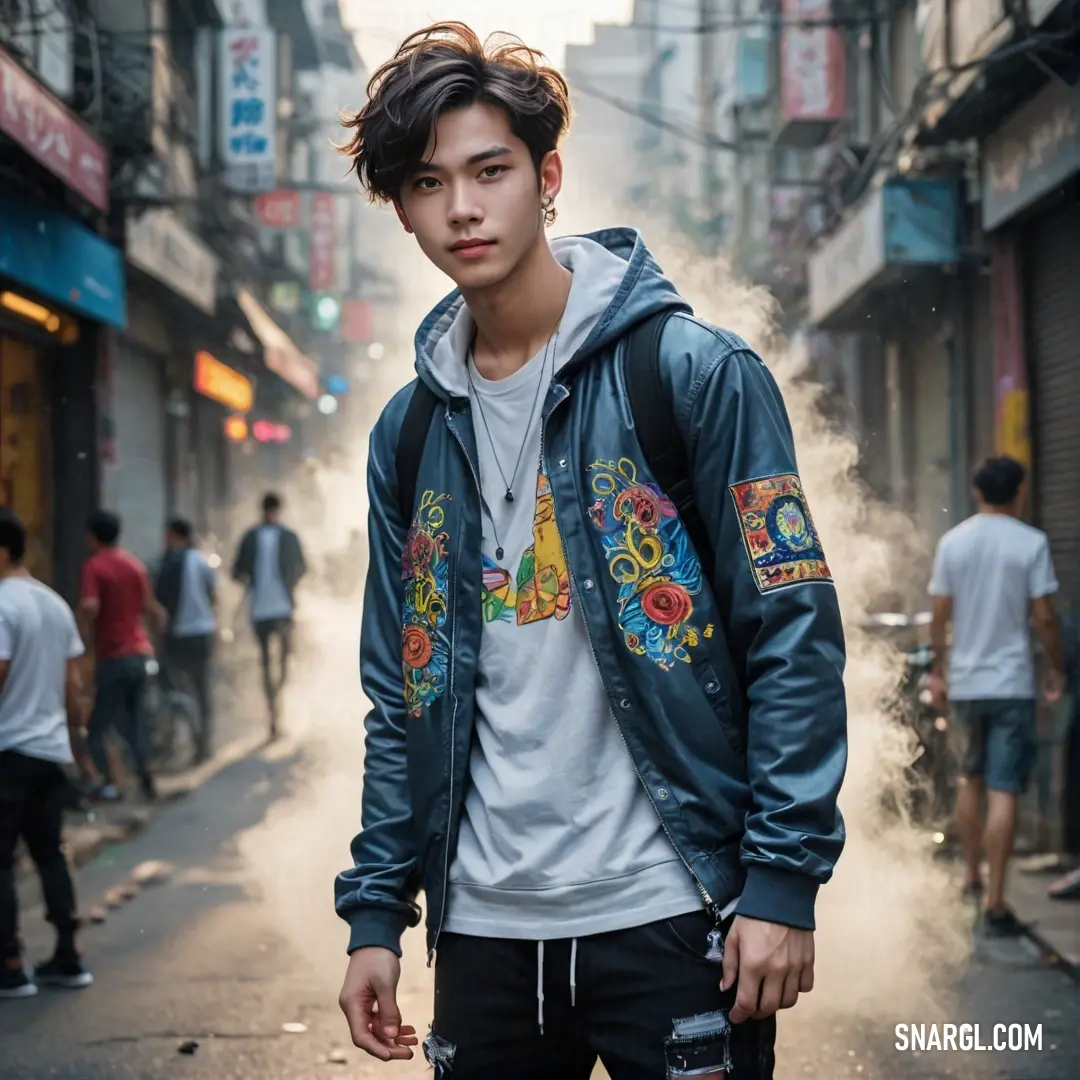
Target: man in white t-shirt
pixel 40 699
pixel 992 577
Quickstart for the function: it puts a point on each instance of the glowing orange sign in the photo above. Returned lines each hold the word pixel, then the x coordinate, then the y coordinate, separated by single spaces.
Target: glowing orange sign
pixel 220 383
pixel 236 428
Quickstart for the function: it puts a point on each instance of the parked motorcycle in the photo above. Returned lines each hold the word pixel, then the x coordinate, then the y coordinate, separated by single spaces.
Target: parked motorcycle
pixel 933 772
pixel 173 719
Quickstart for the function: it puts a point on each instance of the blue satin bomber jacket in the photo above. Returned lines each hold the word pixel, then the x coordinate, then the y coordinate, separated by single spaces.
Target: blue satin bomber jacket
pixel 726 681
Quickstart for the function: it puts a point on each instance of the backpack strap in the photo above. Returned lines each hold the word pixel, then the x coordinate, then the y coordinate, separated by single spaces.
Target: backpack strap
pixel 658 430
pixel 410 445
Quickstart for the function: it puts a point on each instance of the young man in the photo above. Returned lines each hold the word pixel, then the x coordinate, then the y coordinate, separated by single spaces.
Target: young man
pixel 116 605
pixel 606 765
pixel 186 589
pixel 992 576
pixel 40 706
pixel 270 562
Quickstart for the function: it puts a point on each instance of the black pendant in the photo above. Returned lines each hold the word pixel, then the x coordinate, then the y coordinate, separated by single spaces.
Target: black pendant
pixel 499 554
pixel 509 495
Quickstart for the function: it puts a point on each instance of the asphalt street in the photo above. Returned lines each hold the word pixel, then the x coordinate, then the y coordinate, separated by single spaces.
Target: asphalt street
pixel 239 951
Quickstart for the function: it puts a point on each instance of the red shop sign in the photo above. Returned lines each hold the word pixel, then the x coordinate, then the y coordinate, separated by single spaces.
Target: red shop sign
pixel 266 431
pixel 813 77
pixel 279 209
pixel 322 243
pixel 34 118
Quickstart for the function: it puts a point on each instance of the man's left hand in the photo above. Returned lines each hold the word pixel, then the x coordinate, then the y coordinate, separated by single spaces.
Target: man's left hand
pixel 770 963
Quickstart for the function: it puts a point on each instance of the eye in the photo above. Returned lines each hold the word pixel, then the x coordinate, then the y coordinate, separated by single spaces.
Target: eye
pixel 491 171
pixel 426 183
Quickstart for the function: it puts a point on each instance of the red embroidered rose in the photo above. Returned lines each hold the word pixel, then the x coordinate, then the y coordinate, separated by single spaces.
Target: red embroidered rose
pixel 415 647
pixel 642 505
pixel 667 604
pixel 420 548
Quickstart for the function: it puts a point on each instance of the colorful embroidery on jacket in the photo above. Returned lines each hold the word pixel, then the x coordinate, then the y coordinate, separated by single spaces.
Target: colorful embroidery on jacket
pixel 425 569
pixel 781 542
pixel 650 555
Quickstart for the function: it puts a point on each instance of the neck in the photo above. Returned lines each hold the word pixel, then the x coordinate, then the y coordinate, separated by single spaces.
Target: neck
pixel 515 318
pixel 14 571
pixel 999 511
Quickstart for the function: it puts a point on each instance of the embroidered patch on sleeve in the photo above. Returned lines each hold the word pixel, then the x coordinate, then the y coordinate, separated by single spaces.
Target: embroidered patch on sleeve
pixel 781 542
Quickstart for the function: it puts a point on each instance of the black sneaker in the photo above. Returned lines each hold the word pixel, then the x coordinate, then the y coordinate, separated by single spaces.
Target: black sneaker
pixel 67 972
pixel 15 984
pixel 1002 924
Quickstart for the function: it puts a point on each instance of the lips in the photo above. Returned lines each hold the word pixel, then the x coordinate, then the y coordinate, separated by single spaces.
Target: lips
pixel 470 245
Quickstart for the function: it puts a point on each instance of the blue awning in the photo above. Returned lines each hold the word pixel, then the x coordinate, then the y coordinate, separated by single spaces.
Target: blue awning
pixel 56 257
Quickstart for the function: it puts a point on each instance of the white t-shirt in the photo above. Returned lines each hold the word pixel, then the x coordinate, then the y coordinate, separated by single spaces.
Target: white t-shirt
pixel 993 566
pixel 38 636
pixel 269 597
pixel 195 613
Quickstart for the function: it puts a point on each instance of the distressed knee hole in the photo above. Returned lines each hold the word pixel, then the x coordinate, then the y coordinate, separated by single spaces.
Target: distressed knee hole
pixel 439 1053
pixel 699 1046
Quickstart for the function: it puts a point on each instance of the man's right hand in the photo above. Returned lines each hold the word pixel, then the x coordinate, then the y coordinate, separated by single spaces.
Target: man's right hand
pixel 369 1001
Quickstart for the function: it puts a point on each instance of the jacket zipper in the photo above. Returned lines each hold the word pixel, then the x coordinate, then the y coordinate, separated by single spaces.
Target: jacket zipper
pixel 710 904
pixel 453 723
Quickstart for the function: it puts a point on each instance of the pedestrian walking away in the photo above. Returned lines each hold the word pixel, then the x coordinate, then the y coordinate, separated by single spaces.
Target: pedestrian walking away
pixel 116 606
pixel 41 705
pixel 270 563
pixel 992 577
pixel 608 724
pixel 186 590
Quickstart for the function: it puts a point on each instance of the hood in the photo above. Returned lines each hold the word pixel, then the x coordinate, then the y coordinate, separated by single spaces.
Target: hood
pixel 617 283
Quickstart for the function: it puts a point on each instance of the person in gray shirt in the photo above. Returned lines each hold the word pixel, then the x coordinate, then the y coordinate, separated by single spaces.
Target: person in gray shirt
pixel 992 576
pixel 270 563
pixel 186 588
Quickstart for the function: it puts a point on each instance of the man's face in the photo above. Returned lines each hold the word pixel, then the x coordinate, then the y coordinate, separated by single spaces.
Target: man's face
pixel 474 204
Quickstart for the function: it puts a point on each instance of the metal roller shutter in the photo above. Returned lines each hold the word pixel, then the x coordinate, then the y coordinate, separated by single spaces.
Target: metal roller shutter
pixel 1053 271
pixel 137 483
pixel 982 416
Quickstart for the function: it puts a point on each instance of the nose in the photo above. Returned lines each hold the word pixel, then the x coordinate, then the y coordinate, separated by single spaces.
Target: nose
pixel 464 208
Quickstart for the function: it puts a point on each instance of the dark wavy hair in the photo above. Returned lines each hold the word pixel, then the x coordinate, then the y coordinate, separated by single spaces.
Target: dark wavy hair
pixel 443 67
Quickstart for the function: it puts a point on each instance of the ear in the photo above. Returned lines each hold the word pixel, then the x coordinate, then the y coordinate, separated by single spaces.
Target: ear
pixel 551 176
pixel 402 218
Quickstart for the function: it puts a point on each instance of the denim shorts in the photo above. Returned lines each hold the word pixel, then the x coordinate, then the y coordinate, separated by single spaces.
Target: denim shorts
pixel 995 741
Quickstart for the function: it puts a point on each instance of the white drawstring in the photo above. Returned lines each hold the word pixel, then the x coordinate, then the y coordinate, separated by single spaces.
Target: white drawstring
pixel 573 973
pixel 540 984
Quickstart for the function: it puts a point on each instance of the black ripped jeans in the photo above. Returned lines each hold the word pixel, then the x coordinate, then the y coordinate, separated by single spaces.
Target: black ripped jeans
pixel 646 1002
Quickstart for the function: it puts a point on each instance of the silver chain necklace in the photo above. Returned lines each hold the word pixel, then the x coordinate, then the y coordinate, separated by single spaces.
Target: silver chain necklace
pixel 550 347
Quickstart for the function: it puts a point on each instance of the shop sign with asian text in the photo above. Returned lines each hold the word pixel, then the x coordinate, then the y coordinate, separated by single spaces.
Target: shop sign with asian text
pixel 248 113
pixel 322 243
pixel 32 117
pixel 812 70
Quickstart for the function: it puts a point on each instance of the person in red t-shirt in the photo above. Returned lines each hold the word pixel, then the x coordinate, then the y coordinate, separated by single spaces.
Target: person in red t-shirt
pixel 116 598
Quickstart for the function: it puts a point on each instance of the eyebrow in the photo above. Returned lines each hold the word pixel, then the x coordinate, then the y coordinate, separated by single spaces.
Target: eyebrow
pixel 476 159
